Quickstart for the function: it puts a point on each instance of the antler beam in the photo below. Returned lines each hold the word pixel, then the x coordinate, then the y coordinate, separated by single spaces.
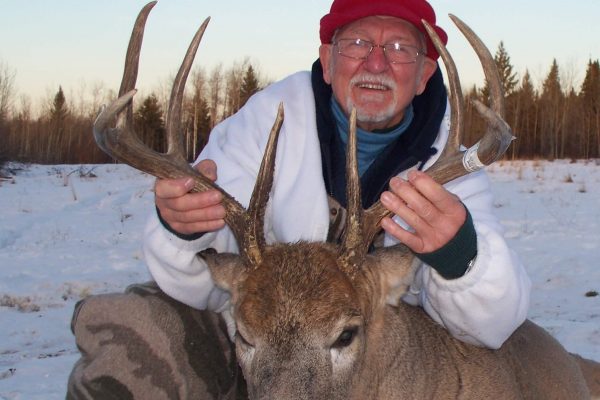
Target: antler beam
pixel 123 144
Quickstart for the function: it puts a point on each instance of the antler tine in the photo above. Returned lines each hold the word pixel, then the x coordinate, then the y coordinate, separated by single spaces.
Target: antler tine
pixel 489 65
pixel 173 123
pixel 353 248
pixel 132 58
pixel 253 241
pixel 446 165
pixel 457 102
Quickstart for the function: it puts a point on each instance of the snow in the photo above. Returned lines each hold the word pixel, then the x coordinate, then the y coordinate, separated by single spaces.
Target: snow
pixel 67 232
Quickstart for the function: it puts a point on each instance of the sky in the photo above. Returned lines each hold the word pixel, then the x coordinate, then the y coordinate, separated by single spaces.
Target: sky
pixel 79 44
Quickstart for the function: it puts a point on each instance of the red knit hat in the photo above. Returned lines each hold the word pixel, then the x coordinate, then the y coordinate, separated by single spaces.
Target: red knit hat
pixel 345 11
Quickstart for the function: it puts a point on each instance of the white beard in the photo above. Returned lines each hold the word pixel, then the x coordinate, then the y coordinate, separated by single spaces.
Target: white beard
pixel 375 81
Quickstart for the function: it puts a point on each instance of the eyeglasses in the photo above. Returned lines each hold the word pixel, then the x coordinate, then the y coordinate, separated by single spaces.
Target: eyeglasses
pixel 396 53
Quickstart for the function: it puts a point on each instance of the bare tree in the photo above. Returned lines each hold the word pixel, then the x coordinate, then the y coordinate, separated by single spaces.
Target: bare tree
pixel 21 145
pixel 234 79
pixel 215 82
pixel 7 90
pixel 197 122
pixel 98 95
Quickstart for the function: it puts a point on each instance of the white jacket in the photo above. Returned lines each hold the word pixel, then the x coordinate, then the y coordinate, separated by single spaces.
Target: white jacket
pixel 483 307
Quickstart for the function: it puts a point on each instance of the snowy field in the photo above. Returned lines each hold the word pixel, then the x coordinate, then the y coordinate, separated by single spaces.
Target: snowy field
pixel 67 232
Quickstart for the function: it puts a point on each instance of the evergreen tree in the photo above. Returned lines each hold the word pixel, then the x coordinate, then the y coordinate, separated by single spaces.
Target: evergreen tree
pixel 525 126
pixel 149 123
pixel 590 88
pixel 551 103
pixel 59 111
pixel 508 78
pixel 58 144
pixel 590 100
pixel 249 85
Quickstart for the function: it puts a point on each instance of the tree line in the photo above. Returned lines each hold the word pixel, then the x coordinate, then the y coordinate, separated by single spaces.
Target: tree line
pixel 553 120
pixel 62 133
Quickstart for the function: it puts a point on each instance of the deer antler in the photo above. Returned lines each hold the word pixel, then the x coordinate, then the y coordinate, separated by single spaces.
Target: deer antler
pixel 453 161
pixel 123 144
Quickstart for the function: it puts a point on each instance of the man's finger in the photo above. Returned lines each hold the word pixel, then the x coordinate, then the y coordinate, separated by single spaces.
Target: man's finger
pixel 171 188
pixel 420 205
pixel 412 241
pixel 208 168
pixel 435 193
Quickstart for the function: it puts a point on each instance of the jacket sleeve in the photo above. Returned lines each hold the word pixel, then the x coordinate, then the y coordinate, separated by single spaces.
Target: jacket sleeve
pixel 486 305
pixel 176 268
pixel 237 146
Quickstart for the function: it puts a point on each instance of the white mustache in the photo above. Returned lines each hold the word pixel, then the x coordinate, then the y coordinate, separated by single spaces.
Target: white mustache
pixel 373 81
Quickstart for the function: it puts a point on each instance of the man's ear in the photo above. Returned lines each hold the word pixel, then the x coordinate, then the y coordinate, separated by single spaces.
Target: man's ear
pixel 428 68
pixel 226 269
pixel 325 57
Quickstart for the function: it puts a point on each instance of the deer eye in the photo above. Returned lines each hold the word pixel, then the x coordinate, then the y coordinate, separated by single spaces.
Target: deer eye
pixel 346 338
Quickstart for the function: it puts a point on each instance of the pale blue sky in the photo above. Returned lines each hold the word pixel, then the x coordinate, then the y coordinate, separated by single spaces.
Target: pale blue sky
pixel 72 42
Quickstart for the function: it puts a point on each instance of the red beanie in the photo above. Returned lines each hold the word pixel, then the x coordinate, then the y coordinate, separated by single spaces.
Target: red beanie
pixel 345 11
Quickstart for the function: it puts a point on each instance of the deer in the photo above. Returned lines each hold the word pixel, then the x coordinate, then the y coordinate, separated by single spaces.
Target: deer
pixel 325 320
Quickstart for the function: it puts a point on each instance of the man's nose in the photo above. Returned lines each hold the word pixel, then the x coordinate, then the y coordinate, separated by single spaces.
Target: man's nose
pixel 376 61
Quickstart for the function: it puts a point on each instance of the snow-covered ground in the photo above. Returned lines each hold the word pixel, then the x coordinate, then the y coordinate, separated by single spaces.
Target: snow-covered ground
pixel 67 232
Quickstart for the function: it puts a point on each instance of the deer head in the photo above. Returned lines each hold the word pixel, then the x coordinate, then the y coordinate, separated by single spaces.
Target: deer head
pixel 308 315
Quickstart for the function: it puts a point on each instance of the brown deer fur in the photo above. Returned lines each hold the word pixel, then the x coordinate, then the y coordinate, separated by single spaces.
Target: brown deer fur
pixel 293 308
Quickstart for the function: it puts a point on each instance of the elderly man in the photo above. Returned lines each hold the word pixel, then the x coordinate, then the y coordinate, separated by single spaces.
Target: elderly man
pixel 375 57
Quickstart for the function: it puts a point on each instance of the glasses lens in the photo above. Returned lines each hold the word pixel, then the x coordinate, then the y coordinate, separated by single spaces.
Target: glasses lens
pixel 354 48
pixel 401 54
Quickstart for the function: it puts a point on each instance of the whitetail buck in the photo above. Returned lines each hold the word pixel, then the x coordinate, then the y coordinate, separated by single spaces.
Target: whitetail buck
pixel 313 319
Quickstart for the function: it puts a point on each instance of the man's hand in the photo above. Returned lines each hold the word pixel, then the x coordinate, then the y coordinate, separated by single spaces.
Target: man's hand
pixel 186 212
pixel 427 207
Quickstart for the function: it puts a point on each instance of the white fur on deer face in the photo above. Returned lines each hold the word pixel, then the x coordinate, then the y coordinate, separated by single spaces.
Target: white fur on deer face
pixel 302 323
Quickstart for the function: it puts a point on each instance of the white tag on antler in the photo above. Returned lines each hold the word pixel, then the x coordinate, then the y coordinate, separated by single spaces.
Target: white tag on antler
pixel 471 160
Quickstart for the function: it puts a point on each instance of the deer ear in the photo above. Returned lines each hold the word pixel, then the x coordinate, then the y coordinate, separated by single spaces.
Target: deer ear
pixel 396 266
pixel 226 269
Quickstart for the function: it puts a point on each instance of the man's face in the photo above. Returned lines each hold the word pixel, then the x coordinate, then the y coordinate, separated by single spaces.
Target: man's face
pixel 380 91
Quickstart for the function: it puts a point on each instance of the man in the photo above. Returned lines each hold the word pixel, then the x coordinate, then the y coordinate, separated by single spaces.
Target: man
pixel 376 57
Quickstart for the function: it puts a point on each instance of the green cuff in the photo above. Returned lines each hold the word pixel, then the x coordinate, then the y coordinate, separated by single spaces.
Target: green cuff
pixel 452 260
